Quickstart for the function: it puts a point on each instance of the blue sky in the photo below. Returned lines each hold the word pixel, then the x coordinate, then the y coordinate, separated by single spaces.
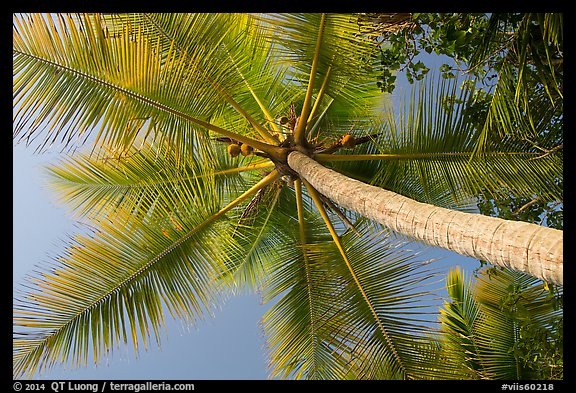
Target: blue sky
pixel 229 346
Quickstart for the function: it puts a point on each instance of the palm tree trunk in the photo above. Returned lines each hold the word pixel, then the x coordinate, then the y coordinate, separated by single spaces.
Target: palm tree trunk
pixel 526 247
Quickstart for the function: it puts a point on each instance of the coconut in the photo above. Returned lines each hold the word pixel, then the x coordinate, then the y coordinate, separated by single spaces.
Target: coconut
pixel 348 141
pixel 246 149
pixel 233 149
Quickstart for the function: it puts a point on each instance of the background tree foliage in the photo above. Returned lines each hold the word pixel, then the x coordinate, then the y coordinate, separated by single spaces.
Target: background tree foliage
pixel 500 325
pixel 481 44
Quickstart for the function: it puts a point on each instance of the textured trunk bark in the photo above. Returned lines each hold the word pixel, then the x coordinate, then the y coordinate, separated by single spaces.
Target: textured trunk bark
pixel 522 246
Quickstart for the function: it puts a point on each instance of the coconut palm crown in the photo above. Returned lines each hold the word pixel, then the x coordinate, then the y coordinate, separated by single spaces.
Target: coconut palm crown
pixel 181 127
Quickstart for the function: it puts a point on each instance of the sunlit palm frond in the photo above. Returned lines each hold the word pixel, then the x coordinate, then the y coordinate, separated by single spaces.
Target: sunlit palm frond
pixel 426 152
pixel 296 325
pixel 329 329
pixel 70 79
pixel 236 63
pixel 458 319
pixel 110 287
pixel 144 183
pixel 342 47
pixel 121 277
pixel 293 344
pixel 344 56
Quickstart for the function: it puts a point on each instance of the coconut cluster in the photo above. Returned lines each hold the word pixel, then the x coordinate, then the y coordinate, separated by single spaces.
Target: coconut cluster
pixel 235 149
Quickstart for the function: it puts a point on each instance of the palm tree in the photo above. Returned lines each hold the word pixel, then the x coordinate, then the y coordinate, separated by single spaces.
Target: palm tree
pixel 203 127
pixel 502 326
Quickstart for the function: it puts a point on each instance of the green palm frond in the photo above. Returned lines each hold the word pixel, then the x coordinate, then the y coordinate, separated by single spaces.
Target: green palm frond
pixel 529 87
pixel 325 324
pixel 426 152
pixel 146 182
pixel 297 35
pixel 238 60
pixel 71 84
pixel 496 338
pixel 260 236
pixel 553 29
pixel 109 288
pixel 119 278
pixel 509 301
pixel 482 325
pixel 458 319
pixel 344 56
pixel 505 115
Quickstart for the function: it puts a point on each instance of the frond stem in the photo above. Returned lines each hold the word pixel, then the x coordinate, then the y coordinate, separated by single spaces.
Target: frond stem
pixel 302 230
pixel 300 209
pixel 251 167
pixel 299 135
pixel 263 132
pixel 174 181
pixel 319 97
pixel 408 156
pixel 318 202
